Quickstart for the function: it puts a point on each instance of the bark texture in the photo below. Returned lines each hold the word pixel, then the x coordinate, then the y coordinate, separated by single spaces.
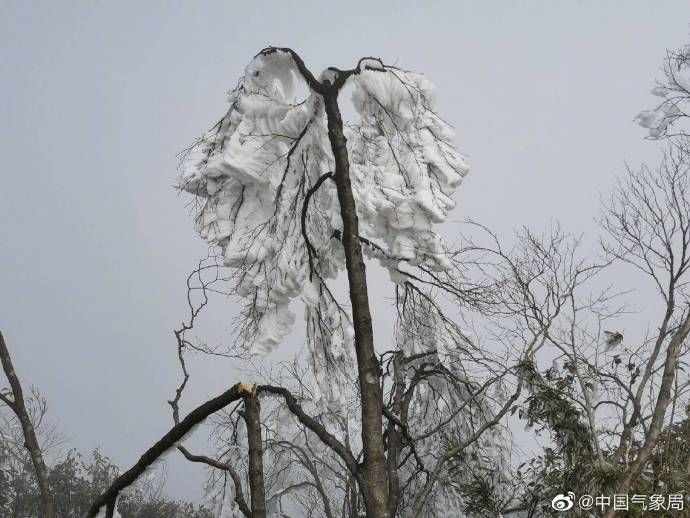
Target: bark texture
pixel 374 468
pixel 257 491
pixel 18 406
pixel 394 434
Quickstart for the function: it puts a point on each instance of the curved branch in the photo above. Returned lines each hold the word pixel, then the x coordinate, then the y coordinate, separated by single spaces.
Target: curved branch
pixel 239 495
pixel 326 437
pixel 311 251
pixel 422 498
pixel 305 460
pixel 7 401
pixel 176 434
pixel 312 82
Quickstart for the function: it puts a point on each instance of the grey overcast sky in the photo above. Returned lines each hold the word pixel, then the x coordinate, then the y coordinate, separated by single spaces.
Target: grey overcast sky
pixel 99 97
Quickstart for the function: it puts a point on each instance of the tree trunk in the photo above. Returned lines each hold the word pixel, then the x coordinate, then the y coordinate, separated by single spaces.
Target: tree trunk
pixel 252 418
pixel 395 435
pixel 662 403
pixel 375 490
pixel 30 441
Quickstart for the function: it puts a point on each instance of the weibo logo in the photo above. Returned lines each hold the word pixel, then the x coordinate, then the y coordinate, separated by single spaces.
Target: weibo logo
pixel 563 502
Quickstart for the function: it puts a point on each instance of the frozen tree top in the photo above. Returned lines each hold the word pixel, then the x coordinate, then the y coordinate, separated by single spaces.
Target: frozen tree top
pixel 262 177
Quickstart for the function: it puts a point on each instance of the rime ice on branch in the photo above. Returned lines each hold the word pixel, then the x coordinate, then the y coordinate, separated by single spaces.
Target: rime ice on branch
pixel 665 120
pixel 262 176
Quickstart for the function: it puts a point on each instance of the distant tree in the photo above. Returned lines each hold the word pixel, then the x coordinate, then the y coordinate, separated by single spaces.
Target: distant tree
pixel 75 481
pixel 14 399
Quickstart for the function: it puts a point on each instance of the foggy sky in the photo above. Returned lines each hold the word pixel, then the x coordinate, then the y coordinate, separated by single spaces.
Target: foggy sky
pixel 97 98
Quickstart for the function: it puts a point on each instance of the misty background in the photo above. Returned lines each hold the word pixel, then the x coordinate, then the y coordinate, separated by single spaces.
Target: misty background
pixel 98 98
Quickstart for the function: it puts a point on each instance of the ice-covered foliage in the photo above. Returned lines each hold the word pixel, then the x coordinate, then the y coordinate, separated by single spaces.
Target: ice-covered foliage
pixel 261 178
pixel 405 167
pixel 674 90
pixel 224 504
pixel 423 328
pixel 447 407
pixel 300 471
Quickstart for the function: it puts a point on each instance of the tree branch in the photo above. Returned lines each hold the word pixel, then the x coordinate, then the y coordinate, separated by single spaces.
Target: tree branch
pixel 176 434
pixel 239 495
pixel 326 437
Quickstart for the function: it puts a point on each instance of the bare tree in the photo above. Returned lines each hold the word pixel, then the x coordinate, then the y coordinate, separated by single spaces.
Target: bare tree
pixel 14 399
pixel 648 222
pixel 610 400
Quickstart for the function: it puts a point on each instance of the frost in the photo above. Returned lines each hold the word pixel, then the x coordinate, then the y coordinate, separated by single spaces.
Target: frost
pixel 658 121
pixel 404 166
pixel 255 176
pixel 423 328
pixel 674 92
pixel 429 340
pixel 225 506
pixel 250 170
pixel 102 512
